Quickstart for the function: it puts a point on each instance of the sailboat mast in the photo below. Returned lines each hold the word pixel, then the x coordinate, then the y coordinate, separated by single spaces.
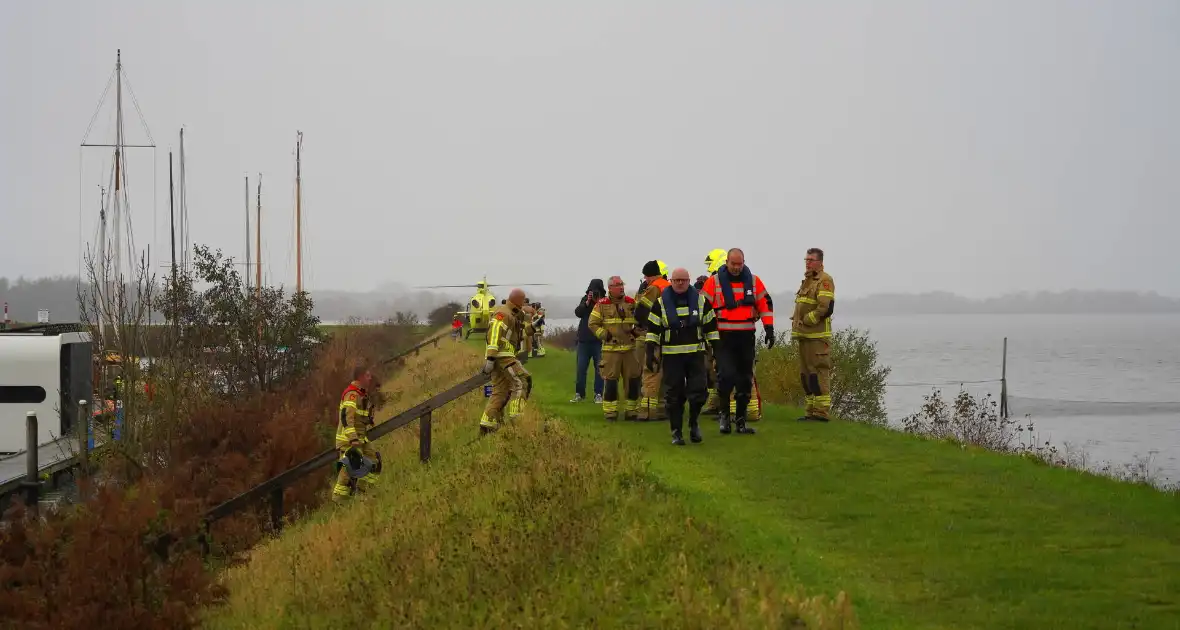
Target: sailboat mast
pixel 298 213
pixel 172 214
pixel 183 207
pixel 102 261
pixel 247 178
pixel 117 216
pixel 258 241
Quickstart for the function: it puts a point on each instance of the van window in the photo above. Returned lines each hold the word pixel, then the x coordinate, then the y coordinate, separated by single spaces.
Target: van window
pixel 16 394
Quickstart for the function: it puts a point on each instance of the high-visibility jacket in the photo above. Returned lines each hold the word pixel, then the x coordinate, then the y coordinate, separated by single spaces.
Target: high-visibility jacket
pixel 751 302
pixel 814 304
pixel 355 417
pixel 689 336
pixel 647 297
pixel 616 316
pixel 504 333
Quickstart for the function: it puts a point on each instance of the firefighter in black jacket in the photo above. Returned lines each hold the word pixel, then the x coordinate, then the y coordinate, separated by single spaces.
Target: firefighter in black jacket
pixel 681 323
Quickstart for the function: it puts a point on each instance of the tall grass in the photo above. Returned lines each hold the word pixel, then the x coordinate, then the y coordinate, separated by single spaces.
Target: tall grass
pixel 532 527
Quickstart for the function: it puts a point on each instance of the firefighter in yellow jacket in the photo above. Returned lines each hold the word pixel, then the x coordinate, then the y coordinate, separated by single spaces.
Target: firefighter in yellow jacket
pixel 359 464
pixel 613 321
pixel 811 326
pixel 651 398
pixel 511 383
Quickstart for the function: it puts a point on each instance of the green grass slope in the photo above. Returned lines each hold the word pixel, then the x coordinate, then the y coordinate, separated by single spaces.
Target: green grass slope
pixel 920 534
pixel 535 527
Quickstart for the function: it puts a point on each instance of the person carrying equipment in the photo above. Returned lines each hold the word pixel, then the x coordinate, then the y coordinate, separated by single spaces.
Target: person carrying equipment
pixel 651 399
pixel 811 327
pixel 538 330
pixel 613 321
pixel 359 463
pixel 740 299
pixel 511 383
pixel 681 324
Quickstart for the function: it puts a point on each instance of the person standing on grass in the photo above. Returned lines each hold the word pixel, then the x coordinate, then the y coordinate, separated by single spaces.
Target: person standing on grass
pixel 740 300
pixel 589 349
pixel 681 325
pixel 811 327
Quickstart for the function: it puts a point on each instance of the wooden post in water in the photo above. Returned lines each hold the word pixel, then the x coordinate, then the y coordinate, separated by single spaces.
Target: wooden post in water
pixel 1004 382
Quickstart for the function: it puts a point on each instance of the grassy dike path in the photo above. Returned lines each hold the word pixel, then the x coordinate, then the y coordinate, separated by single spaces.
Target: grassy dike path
pixel 920 534
pixel 538 526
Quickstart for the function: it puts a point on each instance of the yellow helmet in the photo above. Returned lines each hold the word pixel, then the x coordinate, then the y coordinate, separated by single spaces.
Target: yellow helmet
pixel 715 260
pixel 663 268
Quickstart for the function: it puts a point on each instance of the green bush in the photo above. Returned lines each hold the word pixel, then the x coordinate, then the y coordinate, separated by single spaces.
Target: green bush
pixel 858 379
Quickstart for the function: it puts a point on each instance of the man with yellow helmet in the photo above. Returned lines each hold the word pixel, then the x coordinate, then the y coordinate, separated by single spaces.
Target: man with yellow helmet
pixel 651 399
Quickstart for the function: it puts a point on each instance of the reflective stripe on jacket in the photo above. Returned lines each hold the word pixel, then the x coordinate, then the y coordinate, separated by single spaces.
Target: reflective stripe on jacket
pixel 504 332
pixel 355 416
pixel 616 317
pixel 742 317
pixel 814 304
pixel 682 340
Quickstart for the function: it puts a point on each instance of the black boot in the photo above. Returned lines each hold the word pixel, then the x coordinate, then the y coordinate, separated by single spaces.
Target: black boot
pixel 694 427
pixel 740 421
pixel 725 422
pixel 677 438
pixel 676 420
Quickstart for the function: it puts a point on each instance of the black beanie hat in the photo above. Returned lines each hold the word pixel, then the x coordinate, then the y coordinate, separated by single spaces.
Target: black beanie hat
pixel 651 268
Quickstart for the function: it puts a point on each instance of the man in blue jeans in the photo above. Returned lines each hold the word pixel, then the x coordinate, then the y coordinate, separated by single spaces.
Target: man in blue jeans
pixel 589 347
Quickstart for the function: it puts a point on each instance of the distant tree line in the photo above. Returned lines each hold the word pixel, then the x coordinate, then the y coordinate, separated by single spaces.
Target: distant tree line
pixel 59 295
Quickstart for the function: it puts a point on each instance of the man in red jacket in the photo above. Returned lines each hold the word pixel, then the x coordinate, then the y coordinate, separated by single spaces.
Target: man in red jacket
pixel 740 299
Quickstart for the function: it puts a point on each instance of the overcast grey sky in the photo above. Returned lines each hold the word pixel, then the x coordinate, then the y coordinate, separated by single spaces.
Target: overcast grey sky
pixel 978 147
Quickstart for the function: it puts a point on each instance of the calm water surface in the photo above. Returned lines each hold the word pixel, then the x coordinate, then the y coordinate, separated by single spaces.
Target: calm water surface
pixel 1108 384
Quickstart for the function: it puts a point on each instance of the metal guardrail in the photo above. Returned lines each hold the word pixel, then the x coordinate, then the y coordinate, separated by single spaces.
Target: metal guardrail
pixel 30 485
pixel 272 489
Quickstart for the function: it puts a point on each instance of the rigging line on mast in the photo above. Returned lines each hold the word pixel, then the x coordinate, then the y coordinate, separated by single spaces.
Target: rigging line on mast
pixel 98 108
pixel 135 102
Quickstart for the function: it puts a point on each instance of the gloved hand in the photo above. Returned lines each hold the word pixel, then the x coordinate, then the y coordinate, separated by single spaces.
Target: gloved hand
pixel 651 357
pixel 716 346
pixel 607 337
pixel 488 366
pixel 769 335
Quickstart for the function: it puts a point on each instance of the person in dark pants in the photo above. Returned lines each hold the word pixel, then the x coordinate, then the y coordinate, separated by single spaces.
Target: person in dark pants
pixel 740 299
pixel 680 323
pixel 589 346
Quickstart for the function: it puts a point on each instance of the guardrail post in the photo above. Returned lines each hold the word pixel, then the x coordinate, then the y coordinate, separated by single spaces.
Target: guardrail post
pixel 203 537
pixel 424 437
pixel 82 431
pixel 32 483
pixel 276 509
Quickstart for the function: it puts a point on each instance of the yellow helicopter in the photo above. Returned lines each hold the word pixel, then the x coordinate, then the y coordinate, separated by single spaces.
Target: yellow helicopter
pixel 478 309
